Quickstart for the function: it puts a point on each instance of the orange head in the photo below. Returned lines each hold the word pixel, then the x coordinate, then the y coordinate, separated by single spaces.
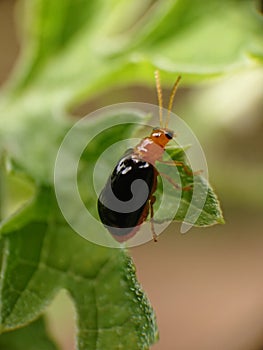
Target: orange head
pixel 161 136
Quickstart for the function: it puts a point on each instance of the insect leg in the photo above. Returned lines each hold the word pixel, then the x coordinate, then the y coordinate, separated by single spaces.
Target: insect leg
pixel 152 200
pixel 178 187
pixel 186 168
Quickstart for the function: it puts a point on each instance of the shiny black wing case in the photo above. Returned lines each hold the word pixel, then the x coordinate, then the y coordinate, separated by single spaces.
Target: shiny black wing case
pixel 121 218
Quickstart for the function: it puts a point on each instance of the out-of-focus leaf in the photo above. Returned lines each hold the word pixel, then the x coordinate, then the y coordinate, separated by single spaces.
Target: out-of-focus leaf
pixel 30 337
pixel 88 46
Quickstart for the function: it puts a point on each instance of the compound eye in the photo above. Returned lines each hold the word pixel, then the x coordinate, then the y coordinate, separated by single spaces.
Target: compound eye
pixel 169 134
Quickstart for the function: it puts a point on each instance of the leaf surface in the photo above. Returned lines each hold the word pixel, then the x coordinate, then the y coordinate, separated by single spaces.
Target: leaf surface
pixel 27 338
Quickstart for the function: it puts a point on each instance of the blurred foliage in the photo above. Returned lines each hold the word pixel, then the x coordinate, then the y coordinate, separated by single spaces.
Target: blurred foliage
pixel 71 51
pixel 208 207
pixel 27 338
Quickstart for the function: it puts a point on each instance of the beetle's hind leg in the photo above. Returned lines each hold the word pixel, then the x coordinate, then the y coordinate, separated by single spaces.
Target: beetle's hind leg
pixel 186 168
pixel 178 187
pixel 151 202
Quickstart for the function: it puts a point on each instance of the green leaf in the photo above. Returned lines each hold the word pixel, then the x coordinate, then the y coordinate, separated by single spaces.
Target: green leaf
pixel 41 257
pixel 29 337
pixel 192 40
pixel 109 43
pixel 208 208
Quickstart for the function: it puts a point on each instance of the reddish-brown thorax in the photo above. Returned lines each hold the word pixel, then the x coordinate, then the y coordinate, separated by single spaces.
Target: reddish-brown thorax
pixel 151 148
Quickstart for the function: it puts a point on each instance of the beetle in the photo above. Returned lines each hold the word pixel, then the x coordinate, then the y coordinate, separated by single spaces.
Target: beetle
pixel 137 163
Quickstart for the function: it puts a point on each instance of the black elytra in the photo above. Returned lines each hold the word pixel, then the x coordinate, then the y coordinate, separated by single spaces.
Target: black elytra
pixel 128 169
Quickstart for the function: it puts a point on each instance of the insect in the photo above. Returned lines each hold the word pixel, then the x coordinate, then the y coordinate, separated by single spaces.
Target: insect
pixel 136 164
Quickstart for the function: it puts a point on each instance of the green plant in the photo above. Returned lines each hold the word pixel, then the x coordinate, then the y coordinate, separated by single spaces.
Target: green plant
pixel 72 50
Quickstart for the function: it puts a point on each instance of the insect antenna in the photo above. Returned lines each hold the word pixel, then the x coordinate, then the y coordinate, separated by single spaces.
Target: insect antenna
pixel 160 96
pixel 171 100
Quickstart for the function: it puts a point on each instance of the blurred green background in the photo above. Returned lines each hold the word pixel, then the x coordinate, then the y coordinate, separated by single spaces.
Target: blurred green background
pixel 206 286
